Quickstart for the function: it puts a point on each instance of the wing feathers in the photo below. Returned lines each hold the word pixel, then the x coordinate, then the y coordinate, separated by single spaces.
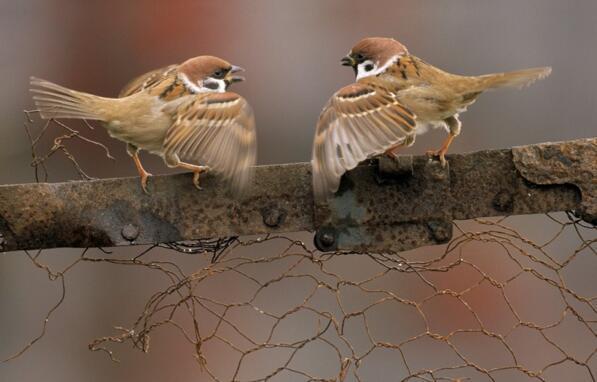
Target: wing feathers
pixel 217 130
pixel 361 120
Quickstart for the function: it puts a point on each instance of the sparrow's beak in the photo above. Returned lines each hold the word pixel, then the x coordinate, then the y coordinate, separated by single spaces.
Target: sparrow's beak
pixel 236 69
pixel 230 79
pixel 348 61
pixel 234 79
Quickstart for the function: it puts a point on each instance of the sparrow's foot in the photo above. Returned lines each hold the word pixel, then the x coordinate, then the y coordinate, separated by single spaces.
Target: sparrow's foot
pixel 440 154
pixel 134 153
pixel 144 177
pixel 391 154
pixel 196 174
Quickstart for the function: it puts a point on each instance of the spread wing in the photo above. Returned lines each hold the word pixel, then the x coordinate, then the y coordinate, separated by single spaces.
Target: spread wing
pixel 146 80
pixel 217 130
pixel 359 121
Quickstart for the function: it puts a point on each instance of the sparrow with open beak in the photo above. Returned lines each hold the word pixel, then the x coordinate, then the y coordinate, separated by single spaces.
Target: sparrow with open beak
pixel 396 96
pixel 181 112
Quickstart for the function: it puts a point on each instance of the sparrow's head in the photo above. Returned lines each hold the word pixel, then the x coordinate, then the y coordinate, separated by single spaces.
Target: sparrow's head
pixel 208 74
pixel 373 55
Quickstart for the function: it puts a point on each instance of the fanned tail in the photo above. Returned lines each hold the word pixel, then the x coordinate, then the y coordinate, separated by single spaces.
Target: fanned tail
pixel 55 101
pixel 517 79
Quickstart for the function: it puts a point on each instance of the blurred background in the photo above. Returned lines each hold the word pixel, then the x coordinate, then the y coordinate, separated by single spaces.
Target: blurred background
pixel 291 50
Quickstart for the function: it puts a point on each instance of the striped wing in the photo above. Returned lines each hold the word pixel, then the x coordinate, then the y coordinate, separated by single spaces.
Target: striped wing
pixel 359 121
pixel 147 80
pixel 217 130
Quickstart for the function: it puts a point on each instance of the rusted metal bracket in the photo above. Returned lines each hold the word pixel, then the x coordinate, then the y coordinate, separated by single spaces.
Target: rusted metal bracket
pixel 383 205
pixel 391 205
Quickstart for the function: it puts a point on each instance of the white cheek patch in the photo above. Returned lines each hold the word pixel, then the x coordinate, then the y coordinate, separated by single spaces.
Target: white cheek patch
pixel 213 85
pixel 197 88
pixel 362 73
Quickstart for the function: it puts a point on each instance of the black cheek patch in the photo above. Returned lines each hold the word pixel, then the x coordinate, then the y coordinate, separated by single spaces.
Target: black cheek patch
pixel 212 85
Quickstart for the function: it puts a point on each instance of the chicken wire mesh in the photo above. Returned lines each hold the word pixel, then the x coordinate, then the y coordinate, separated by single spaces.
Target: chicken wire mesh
pixel 491 305
pixel 509 299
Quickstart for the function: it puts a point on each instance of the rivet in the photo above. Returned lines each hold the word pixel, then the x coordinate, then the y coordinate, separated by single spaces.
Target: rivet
pixel 130 232
pixel 325 239
pixel 273 216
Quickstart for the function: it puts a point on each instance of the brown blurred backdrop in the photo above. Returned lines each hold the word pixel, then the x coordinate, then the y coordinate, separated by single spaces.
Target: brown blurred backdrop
pixel 291 50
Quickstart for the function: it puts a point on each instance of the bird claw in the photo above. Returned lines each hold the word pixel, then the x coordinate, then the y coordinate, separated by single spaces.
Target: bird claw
pixel 391 154
pixel 144 179
pixel 196 176
pixel 438 154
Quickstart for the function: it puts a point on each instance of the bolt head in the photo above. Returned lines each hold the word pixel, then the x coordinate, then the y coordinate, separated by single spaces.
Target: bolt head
pixel 130 232
pixel 325 239
pixel 273 217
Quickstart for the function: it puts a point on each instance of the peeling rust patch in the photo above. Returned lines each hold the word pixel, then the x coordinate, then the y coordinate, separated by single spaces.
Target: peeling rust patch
pixel 573 163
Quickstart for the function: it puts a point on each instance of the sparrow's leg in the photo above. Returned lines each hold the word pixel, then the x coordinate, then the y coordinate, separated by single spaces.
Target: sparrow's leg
pixel 196 171
pixel 174 161
pixel 407 142
pixel 454 125
pixel 133 151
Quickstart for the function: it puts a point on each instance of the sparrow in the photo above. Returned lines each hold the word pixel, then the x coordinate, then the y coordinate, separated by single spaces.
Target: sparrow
pixel 396 97
pixel 183 113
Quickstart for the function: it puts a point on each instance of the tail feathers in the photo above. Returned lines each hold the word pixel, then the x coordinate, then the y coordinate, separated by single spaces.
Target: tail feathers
pixel 517 79
pixel 55 101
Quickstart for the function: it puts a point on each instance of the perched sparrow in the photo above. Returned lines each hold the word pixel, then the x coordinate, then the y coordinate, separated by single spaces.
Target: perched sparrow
pixel 396 96
pixel 181 112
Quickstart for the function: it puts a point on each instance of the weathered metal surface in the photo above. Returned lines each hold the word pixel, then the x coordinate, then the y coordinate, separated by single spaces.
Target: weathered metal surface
pixel 553 163
pixel 384 211
pixel 383 205
pixel 402 210
pixel 115 212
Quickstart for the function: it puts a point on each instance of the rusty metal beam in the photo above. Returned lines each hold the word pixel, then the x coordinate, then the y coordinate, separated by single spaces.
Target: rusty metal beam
pixel 382 205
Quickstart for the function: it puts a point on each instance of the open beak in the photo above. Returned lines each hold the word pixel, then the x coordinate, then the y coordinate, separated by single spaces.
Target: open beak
pixel 233 79
pixel 230 79
pixel 236 69
pixel 348 61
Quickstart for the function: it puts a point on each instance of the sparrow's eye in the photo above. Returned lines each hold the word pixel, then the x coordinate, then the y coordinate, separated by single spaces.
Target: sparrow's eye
pixel 220 73
pixel 368 67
